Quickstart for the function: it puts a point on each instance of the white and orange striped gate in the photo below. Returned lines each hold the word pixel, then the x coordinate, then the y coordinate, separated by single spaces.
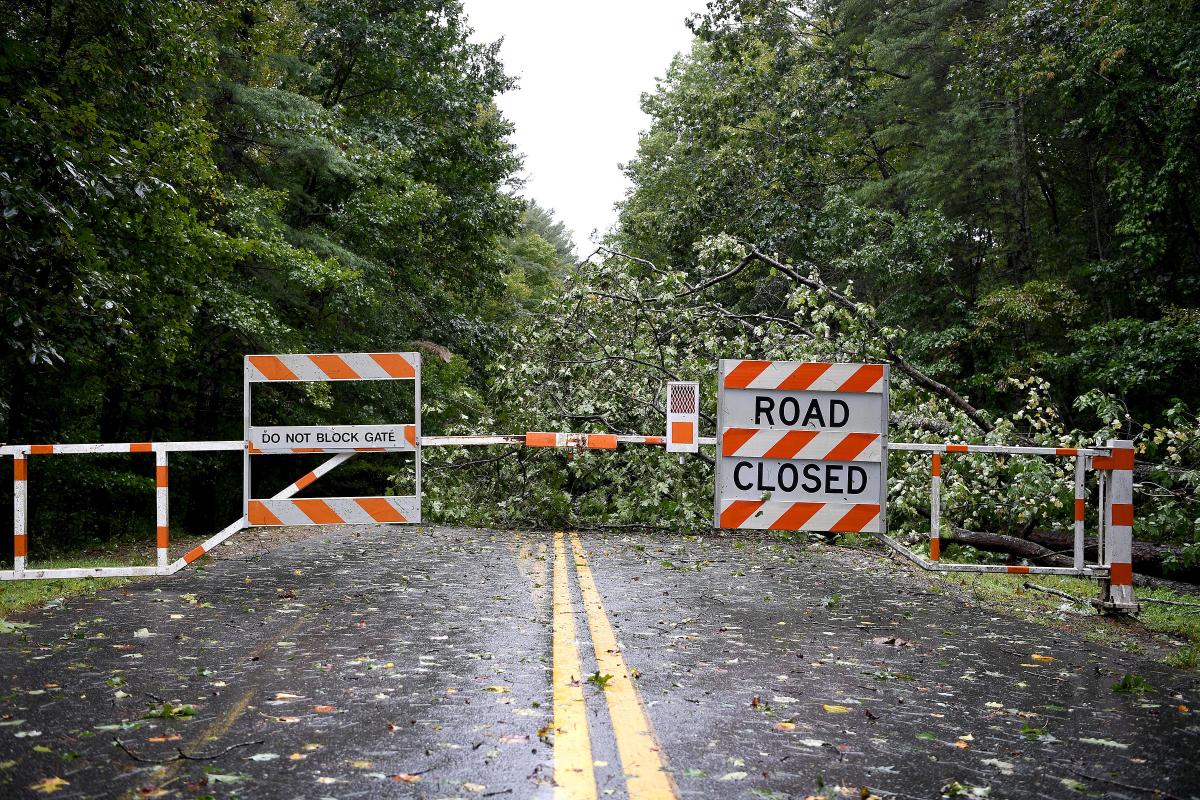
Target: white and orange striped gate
pixel 345 440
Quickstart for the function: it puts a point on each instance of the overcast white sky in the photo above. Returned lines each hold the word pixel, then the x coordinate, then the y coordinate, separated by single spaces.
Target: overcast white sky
pixel 582 68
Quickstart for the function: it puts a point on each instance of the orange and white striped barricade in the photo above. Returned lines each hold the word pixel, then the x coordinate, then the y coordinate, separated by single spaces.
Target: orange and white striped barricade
pixel 802 446
pixel 683 416
pixel 345 440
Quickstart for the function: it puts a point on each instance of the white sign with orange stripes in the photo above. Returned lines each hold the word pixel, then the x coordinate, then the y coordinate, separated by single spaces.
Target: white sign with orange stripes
pixel 801 446
pixel 346 440
pixel 334 438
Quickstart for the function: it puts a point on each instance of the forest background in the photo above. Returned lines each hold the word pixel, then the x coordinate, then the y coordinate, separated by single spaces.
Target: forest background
pixel 994 196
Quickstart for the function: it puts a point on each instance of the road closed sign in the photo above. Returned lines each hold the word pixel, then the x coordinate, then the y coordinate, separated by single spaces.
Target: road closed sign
pixel 801 446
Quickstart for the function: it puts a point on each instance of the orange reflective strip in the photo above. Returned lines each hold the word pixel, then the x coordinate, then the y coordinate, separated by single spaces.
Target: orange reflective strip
pixel 259 514
pixel 935 549
pixel 856 519
pixel 654 440
pixel 272 368
pixel 160 477
pixel 789 444
pixel 394 364
pixel 1080 509
pixel 1122 513
pixel 683 432
pixel 141 447
pixel 20 469
pixel 804 375
pixel 744 373
pixel 410 434
pixel 1122 458
pixel 334 367
pixel 306 480
pixel 602 441
pixel 863 379
pixel 738 512
pixel 20 545
pixel 935 469
pixel 849 448
pixel 733 439
pixel 164 536
pixel 541 440
pixel 41 449
pixel 1120 574
pixel 796 516
pixel 957 448
pixel 379 509
pixel 193 554
pixel 1065 451
pixel 307 450
pixel 370 449
pixel 318 511
pixel 253 450
pixel 1018 570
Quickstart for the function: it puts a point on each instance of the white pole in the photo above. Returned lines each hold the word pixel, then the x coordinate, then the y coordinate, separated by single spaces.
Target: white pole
pixel 20 515
pixel 162 507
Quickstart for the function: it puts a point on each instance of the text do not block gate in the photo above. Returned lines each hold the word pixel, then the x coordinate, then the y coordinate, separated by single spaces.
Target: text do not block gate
pixel 801 446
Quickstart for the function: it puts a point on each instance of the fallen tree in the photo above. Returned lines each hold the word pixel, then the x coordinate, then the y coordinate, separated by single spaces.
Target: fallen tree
pixel 1147 559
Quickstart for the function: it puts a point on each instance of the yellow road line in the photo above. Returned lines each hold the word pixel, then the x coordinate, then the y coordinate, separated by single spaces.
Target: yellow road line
pixel 646 776
pixel 574 774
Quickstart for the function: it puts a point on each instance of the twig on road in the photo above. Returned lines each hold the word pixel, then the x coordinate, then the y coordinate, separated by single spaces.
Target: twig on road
pixel 182 756
pixel 1133 787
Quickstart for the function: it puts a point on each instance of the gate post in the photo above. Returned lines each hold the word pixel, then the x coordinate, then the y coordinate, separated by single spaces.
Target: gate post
pixel 20 513
pixel 162 508
pixel 1117 589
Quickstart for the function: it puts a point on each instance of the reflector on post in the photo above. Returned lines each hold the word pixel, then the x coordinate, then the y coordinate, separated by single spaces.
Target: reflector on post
pixel 683 417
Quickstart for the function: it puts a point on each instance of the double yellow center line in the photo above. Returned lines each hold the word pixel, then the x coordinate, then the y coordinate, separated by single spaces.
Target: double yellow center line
pixel 646 774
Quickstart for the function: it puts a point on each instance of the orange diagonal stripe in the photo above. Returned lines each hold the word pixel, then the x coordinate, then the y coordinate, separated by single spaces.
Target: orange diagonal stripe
pixel 318 511
pixel 259 514
pixel 733 439
pixel 856 519
pixel 745 372
pixel 334 367
pixel 272 368
pixel 306 480
pixel 738 512
pixel 849 448
pixel 379 509
pixel 804 375
pixel 394 364
pixel 863 379
pixel 794 518
pixel 790 444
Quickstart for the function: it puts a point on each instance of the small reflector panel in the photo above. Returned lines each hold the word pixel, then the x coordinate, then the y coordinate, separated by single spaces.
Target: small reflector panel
pixel 683 417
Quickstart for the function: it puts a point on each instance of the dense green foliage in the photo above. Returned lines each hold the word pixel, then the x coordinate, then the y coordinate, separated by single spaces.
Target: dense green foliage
pixel 186 182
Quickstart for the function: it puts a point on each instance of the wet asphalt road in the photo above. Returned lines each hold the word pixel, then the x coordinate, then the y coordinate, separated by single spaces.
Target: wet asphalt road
pixel 380 662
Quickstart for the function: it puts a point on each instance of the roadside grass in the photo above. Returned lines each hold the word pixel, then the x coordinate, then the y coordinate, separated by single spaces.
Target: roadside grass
pixel 23 595
pixel 1167 625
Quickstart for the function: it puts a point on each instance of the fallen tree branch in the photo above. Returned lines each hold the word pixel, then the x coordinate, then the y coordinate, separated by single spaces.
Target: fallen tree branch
pixel 916 375
pixel 1055 592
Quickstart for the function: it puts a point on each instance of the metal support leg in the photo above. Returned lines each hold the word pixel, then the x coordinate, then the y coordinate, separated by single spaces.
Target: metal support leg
pixel 162 508
pixel 1080 507
pixel 20 513
pixel 935 508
